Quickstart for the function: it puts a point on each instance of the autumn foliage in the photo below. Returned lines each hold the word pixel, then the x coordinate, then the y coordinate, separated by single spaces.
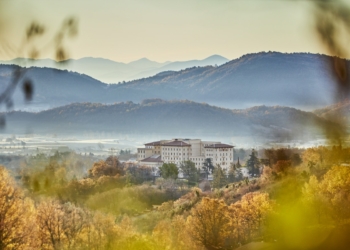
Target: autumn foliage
pixel 120 207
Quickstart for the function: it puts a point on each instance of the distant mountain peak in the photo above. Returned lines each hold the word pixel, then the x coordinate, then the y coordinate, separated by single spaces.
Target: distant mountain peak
pixel 145 63
pixel 216 57
pixel 143 60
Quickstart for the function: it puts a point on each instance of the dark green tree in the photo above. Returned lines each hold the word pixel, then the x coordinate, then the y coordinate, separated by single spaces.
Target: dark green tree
pixel 169 171
pixel 190 172
pixel 219 177
pixel 139 174
pixel 253 164
pixel 208 167
pixel 238 165
pixel 235 172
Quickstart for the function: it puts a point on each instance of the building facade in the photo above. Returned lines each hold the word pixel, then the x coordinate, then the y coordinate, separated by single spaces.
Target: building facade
pixel 180 150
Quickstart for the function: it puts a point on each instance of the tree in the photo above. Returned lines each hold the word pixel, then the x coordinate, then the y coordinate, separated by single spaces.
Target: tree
pixel 253 164
pixel 170 234
pixel 248 216
pixel 62 226
pixel 238 165
pixel 73 224
pixel 219 177
pixel 169 171
pixel 17 216
pixel 208 223
pixel 110 167
pixel 241 153
pixel 331 193
pixel 235 173
pixel 208 166
pixel 282 166
pixel 296 159
pixel 139 174
pixel 189 170
pixel 50 219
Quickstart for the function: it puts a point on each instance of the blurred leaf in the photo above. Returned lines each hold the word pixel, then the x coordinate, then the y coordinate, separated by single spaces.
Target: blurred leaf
pixel 35 29
pixel 28 89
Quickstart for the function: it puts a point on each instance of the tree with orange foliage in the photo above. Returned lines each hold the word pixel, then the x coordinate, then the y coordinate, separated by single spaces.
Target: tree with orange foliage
pixel 110 167
pixel 248 217
pixel 282 166
pixel 17 216
pixel 208 223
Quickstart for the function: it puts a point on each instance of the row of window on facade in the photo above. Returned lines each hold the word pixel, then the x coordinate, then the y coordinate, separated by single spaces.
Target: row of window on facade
pixel 176 149
pixel 220 149
pixel 220 154
pixel 196 163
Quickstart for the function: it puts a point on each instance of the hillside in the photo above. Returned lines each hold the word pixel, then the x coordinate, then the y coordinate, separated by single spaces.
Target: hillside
pixel 171 118
pixel 54 87
pixel 338 111
pixel 297 80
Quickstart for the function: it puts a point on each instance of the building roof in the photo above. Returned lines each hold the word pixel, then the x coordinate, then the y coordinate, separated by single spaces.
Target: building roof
pixel 153 158
pixel 219 145
pixel 155 143
pixel 176 143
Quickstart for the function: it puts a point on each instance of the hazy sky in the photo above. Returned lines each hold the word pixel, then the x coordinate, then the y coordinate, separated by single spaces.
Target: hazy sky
pixel 169 30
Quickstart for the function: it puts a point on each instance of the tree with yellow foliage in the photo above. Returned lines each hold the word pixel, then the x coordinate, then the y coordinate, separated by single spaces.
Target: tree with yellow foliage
pixel 332 192
pixel 172 234
pixel 17 216
pixel 162 234
pixel 50 216
pixel 208 223
pixel 311 155
pixel 248 217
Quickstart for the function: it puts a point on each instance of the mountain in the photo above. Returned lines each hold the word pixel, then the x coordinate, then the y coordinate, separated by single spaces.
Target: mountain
pixel 175 118
pixel 53 87
pixel 113 72
pixel 145 63
pixel 299 80
pixel 338 112
pixel 176 66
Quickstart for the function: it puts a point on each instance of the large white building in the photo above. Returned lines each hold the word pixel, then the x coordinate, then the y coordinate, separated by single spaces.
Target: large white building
pixel 154 154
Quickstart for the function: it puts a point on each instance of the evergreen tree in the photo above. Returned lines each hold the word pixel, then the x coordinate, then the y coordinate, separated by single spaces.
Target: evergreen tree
pixel 219 177
pixel 169 171
pixel 238 165
pixel 208 167
pixel 235 172
pixel 189 170
pixel 253 164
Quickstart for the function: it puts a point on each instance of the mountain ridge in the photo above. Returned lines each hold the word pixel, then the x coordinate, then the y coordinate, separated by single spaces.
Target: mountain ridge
pixel 299 80
pixel 155 116
pixel 110 71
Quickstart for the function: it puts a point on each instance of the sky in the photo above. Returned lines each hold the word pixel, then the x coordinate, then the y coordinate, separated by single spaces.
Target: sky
pixel 162 30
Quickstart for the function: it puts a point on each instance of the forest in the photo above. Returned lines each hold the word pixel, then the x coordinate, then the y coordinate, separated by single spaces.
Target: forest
pixel 297 199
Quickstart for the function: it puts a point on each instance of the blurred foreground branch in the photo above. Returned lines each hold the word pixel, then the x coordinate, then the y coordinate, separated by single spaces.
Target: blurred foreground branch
pixel 28 50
